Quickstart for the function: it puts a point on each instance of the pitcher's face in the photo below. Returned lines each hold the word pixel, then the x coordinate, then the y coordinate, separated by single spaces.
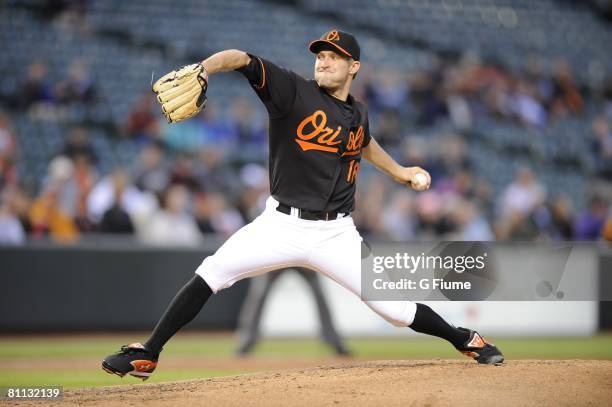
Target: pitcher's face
pixel 332 70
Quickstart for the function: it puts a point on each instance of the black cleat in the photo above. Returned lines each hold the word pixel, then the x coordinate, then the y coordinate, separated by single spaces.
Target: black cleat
pixel 479 349
pixel 133 359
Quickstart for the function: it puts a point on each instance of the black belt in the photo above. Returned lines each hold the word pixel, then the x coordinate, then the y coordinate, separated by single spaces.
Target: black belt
pixel 308 215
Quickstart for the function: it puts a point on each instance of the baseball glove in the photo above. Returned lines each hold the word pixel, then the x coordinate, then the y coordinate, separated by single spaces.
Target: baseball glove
pixel 182 93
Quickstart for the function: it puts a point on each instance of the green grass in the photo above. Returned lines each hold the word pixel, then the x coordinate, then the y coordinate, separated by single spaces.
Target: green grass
pixel 50 348
pixel 95 377
pixel 596 347
pixel 82 346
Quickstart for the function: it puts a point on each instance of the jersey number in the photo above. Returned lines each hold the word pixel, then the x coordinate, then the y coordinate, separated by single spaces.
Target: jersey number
pixel 352 172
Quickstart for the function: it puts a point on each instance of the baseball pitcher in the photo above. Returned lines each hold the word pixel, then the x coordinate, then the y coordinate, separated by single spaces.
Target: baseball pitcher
pixel 318 136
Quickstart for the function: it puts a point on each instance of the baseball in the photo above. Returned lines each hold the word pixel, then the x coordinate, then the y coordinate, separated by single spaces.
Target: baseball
pixel 419 180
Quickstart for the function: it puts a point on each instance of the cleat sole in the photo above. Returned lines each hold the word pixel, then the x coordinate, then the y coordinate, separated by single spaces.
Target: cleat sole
pixel 496 360
pixel 108 369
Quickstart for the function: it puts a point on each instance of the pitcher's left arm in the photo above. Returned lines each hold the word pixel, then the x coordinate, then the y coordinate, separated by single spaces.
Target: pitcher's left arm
pixel 416 177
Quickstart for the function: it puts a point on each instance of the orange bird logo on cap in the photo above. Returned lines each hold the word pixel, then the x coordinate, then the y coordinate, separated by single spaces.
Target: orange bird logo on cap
pixel 333 36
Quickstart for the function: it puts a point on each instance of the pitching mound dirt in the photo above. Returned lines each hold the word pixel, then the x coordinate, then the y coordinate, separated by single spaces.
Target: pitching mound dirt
pixel 385 383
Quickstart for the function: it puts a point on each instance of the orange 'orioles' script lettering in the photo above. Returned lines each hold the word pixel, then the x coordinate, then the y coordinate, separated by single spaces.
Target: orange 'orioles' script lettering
pixel 314 126
pixel 353 147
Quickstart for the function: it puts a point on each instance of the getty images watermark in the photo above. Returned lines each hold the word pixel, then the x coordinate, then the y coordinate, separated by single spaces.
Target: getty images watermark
pixel 411 263
pixel 478 271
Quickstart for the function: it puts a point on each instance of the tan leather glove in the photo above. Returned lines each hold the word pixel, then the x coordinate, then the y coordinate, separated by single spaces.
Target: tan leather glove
pixel 182 93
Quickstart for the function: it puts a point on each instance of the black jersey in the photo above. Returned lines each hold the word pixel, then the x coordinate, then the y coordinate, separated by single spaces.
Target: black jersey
pixel 315 139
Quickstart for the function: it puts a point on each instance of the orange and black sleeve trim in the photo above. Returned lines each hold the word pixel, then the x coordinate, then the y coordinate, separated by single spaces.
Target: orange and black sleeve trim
pixel 275 86
pixel 263 75
pixel 255 72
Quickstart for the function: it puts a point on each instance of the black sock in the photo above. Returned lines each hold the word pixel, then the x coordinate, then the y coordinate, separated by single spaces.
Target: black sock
pixel 184 307
pixel 428 322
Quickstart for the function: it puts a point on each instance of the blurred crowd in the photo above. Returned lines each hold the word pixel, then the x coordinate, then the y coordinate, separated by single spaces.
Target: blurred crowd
pixel 35 90
pixel 461 206
pixel 185 182
pixel 467 89
pixel 159 200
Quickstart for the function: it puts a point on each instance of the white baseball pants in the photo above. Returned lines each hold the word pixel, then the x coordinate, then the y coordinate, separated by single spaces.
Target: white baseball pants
pixel 275 240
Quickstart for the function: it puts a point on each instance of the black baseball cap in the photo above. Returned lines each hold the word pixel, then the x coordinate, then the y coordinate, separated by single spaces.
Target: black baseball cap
pixel 338 41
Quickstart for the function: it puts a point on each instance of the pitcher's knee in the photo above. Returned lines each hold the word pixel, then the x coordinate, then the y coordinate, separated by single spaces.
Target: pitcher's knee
pixel 397 313
pixel 210 272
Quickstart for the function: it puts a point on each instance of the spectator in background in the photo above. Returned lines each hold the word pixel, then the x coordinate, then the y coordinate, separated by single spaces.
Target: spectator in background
pixel 142 125
pixel 183 137
pixel 431 216
pixel 606 232
pixel 252 197
pixel 36 88
pixel 72 15
pixel 518 208
pixel 8 149
pixel 427 97
pixel 48 219
pixel 72 181
pixel 116 219
pixel 606 95
pixel 459 183
pixel 522 195
pixel 452 155
pixel 566 97
pixel 78 143
pixel 541 217
pixel 249 204
pixel 370 201
pixel 203 213
pixel 85 178
pixel 79 86
pixel 214 215
pixel 60 177
pixel 19 205
pixel 11 230
pixel 590 222
pixel 602 146
pixel 248 132
pixel 203 131
pixel 386 90
pixel 51 8
pixel 214 174
pixel 389 132
pixel 8 141
pixel 496 100
pixel 482 192
pixel 517 226
pixel 471 224
pixel 562 214
pixel 525 105
pixel 535 77
pixel 457 99
pixel 73 176
pixel 214 132
pixel 398 218
pixel 138 204
pixel 151 172
pixel 485 86
pixel 416 150
pixel 184 172
pixel 172 224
